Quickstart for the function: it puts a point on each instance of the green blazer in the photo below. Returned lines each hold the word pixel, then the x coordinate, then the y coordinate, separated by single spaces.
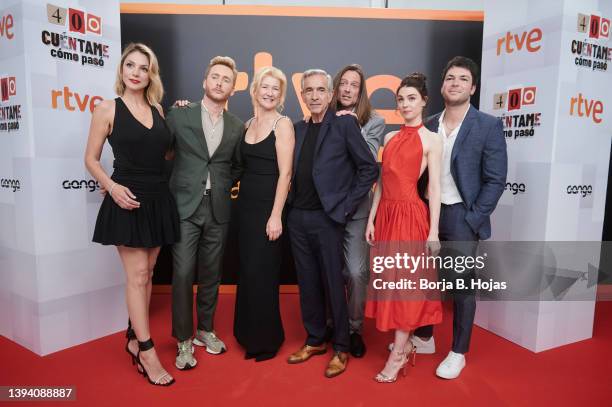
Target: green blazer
pixel 192 162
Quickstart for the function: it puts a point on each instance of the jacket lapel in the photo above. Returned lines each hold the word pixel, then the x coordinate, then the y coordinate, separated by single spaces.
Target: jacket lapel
pixel 433 122
pixel 195 121
pixel 323 131
pixel 466 127
pixel 227 131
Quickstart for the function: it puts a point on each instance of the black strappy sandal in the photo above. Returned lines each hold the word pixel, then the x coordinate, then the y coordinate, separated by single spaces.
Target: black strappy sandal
pixel 143 347
pixel 130 336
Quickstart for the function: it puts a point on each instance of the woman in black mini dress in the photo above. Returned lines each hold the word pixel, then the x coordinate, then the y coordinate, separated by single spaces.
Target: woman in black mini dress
pixel 138 214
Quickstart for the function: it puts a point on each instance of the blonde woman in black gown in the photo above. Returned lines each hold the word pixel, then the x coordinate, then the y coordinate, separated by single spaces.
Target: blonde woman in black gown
pixel 138 214
pixel 267 156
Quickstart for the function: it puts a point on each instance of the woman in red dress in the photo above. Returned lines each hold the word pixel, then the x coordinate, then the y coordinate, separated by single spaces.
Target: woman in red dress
pixel 399 217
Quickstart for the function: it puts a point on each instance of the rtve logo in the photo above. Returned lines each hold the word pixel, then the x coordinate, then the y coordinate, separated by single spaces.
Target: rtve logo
pixel 583 107
pixel 78 20
pixel 91 185
pixel 515 98
pixel 515 188
pixel 6 26
pixel 598 27
pixel 83 102
pixel 515 42
pixel 8 87
pixel 583 190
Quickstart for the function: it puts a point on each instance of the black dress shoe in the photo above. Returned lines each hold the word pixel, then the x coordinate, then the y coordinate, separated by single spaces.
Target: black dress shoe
pixel 358 348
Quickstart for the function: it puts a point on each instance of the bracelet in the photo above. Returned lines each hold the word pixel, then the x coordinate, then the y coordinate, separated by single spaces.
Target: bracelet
pixel 110 191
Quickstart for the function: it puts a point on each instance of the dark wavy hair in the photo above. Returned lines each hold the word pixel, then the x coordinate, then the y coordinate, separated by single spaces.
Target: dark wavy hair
pixel 415 80
pixel 463 62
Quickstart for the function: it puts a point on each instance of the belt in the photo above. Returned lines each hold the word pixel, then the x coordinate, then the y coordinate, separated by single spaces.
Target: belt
pixel 206 192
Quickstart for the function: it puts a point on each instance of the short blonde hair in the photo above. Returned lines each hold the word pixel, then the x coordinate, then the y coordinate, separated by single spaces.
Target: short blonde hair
pixel 225 61
pixel 155 89
pixel 274 73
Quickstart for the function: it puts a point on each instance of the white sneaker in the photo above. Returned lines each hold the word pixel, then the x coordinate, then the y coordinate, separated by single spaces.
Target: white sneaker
pixel 424 347
pixel 184 356
pixel 451 366
pixel 213 344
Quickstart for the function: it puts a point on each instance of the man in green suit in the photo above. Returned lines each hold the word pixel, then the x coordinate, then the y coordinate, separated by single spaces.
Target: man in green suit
pixel 206 165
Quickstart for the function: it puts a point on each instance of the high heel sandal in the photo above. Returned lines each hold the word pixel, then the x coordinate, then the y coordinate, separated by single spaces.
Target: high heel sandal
pixel 143 347
pixel 411 357
pixel 130 336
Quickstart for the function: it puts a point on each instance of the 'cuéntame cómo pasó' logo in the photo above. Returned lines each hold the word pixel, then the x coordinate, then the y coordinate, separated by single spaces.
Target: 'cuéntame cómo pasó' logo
pixel 70 45
pixel 10 114
pixel 518 123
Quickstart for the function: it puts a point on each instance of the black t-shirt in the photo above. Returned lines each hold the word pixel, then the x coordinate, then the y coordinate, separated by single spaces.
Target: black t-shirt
pixel 306 196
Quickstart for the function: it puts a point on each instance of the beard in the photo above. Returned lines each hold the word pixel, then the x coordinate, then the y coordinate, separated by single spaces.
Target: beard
pixel 457 101
pixel 220 98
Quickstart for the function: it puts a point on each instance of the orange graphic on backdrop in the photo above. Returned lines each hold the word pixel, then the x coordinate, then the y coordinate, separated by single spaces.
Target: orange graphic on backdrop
pixel 374 83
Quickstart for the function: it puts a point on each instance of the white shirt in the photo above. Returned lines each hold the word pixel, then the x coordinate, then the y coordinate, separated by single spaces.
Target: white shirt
pixel 449 194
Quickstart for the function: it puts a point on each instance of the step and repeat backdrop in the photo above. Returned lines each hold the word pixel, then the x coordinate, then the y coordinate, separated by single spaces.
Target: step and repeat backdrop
pixel 57 61
pixel 546 73
pixel 388 44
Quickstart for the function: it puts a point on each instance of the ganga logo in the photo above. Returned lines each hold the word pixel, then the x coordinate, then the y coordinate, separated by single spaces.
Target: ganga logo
pixel 515 42
pixel 581 107
pixel 515 188
pixel 6 27
pixel 78 20
pixel 598 26
pixel 583 190
pixel 8 87
pixel 91 185
pixel 83 102
pixel 13 184
pixel 516 98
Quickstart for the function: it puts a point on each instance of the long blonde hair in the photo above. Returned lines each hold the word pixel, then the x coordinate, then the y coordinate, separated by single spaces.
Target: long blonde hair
pixel 155 89
pixel 274 73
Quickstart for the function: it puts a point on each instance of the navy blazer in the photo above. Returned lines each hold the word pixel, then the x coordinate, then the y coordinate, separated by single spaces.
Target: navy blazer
pixel 479 164
pixel 343 168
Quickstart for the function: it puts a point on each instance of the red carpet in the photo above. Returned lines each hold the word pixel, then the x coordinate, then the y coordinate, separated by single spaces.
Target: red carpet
pixel 497 373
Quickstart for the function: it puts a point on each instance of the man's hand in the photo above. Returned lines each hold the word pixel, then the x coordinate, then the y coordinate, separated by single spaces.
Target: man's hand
pixel 181 103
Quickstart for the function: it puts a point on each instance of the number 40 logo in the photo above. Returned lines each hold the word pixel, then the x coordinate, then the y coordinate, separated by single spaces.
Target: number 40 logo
pixel 78 20
pixel 596 26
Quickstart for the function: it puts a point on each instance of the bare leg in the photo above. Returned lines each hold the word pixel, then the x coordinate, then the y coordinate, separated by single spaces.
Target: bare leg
pixel 152 259
pixel 138 273
pixel 397 357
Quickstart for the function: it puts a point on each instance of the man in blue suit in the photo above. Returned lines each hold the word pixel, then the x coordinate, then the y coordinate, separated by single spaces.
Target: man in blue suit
pixel 333 170
pixel 474 167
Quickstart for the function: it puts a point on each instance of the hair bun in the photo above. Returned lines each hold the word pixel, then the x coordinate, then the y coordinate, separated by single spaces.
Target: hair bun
pixel 418 75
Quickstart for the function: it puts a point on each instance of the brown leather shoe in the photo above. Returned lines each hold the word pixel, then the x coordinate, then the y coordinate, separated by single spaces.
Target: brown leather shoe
pixel 337 364
pixel 305 353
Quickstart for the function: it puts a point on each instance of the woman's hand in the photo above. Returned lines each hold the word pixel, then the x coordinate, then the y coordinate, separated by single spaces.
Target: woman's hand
pixel 369 233
pixel 274 228
pixel 123 197
pixel 433 246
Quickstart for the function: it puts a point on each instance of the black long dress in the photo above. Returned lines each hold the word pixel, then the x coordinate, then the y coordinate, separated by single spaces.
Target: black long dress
pixel 139 163
pixel 257 322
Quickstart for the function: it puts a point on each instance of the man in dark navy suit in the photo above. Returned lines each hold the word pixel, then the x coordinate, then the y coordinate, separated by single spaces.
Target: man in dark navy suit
pixel 333 170
pixel 474 167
